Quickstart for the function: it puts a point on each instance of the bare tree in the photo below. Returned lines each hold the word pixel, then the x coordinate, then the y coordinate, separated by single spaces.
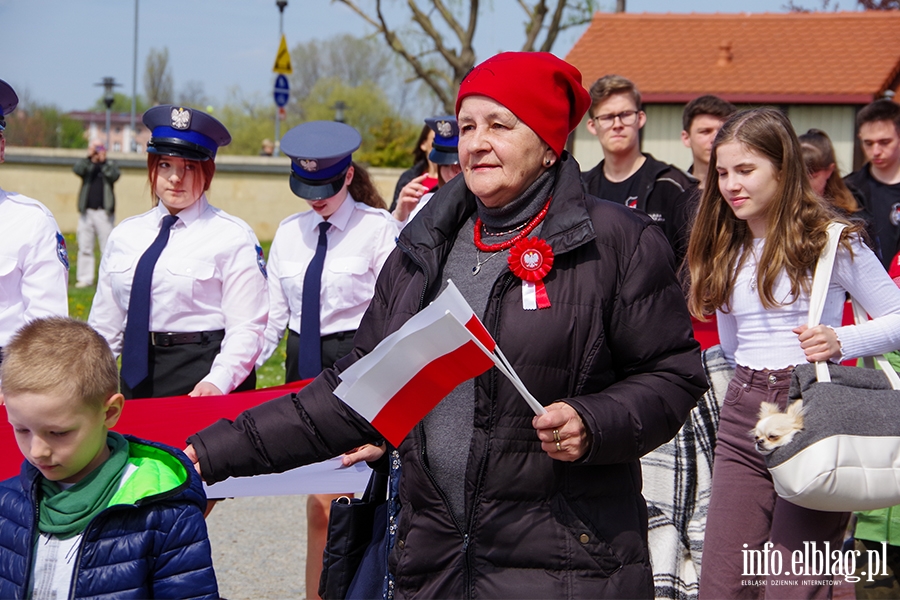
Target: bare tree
pixel 352 60
pixel 879 4
pixel 824 6
pixel 157 78
pixel 438 46
pixel 355 62
pixel 193 94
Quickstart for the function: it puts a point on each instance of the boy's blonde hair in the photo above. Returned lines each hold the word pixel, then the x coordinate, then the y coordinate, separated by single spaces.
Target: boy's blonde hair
pixel 59 355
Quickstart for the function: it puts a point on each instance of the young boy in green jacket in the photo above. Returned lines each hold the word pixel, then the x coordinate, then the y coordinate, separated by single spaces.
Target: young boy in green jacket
pixel 92 513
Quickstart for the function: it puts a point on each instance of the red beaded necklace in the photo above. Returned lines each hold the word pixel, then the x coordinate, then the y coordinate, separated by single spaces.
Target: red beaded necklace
pixel 512 241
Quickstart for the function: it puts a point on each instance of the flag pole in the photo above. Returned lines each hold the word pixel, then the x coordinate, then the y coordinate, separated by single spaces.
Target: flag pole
pixel 507 370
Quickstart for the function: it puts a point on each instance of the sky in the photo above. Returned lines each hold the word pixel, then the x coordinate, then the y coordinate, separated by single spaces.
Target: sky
pixel 56 50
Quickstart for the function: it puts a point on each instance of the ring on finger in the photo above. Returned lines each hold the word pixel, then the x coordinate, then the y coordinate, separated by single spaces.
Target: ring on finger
pixel 556 436
pixel 558 447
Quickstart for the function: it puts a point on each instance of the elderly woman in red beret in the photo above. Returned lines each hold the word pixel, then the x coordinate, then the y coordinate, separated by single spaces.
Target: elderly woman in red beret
pixel 496 502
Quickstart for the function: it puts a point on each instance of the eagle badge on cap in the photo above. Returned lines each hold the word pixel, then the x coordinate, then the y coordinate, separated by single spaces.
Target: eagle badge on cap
pixel 181 118
pixel 309 165
pixel 444 129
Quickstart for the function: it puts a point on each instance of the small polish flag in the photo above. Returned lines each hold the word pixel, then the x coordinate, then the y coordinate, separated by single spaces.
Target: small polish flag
pixel 414 368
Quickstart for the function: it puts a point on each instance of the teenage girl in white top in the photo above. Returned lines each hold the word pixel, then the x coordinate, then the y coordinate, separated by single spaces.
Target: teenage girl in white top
pixel 759 231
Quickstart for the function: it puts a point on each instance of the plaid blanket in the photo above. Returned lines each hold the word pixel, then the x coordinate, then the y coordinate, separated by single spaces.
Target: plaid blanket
pixel 677 483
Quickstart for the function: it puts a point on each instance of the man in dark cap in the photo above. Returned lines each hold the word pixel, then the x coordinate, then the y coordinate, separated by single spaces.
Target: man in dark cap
pixel 34 265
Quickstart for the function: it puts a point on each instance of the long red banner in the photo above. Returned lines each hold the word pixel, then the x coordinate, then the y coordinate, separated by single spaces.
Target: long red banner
pixel 167 420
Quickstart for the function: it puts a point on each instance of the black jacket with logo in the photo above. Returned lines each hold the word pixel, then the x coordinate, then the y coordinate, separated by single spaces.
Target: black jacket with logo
pixel 665 194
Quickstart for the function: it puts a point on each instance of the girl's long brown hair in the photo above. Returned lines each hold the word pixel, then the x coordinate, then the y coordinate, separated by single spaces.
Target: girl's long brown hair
pixel 363 190
pixel 796 221
pixel 818 155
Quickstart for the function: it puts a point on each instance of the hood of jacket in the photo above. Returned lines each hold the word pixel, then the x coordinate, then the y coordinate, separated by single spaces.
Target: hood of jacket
pixel 160 474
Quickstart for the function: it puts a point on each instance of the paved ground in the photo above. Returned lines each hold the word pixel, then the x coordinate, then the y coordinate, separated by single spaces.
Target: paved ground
pixel 259 547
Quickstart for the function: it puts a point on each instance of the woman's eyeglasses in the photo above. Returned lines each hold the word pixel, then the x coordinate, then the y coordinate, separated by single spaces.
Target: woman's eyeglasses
pixel 627 117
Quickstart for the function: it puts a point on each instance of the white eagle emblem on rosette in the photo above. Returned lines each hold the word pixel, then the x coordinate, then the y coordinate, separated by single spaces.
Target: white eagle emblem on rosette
pixel 531 259
pixel 181 118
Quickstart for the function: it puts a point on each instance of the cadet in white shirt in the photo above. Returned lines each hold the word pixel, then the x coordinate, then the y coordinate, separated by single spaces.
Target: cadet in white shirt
pixel 182 299
pixel 359 238
pixel 34 266
pixel 322 270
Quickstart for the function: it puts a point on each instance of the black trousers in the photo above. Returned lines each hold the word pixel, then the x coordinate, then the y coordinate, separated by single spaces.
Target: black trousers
pixel 175 370
pixel 334 347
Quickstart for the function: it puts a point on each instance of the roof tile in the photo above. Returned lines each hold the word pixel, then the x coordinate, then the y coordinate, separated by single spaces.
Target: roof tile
pixel 767 57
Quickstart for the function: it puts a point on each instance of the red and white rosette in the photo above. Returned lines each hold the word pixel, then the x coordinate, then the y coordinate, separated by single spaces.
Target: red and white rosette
pixel 530 260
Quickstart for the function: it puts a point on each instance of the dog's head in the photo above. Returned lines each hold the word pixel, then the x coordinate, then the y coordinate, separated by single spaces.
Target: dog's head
pixel 776 428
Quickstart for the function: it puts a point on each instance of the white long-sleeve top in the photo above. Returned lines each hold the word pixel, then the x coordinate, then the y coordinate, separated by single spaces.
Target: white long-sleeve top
pixel 34 269
pixel 761 338
pixel 210 276
pixel 359 241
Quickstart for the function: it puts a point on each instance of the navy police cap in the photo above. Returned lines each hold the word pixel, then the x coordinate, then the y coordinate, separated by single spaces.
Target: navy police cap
pixel 445 147
pixel 184 132
pixel 8 102
pixel 321 152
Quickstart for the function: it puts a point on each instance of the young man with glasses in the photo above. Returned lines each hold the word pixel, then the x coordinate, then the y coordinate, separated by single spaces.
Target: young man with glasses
pixel 628 176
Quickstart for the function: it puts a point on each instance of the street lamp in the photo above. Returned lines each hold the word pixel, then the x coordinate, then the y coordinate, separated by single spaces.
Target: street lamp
pixel 339 108
pixel 109 96
pixel 134 82
pixel 281 4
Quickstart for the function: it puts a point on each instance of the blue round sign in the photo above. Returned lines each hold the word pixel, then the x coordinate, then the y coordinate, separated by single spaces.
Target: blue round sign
pixel 282 90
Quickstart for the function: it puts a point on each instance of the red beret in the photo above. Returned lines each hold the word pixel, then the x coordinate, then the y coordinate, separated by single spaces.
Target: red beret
pixel 544 91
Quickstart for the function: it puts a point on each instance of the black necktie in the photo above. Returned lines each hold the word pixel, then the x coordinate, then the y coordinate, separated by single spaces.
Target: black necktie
pixel 309 361
pixel 135 351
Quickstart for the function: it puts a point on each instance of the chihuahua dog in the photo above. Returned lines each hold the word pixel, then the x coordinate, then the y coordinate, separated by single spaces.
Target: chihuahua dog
pixel 776 428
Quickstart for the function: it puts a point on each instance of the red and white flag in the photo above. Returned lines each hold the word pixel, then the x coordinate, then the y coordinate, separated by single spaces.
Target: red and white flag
pixel 413 369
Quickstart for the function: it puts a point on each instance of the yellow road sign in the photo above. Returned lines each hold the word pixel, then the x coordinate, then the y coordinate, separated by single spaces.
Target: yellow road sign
pixel 283 59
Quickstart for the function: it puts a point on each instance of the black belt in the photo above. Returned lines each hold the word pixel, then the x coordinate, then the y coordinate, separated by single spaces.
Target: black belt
pixel 178 339
pixel 340 335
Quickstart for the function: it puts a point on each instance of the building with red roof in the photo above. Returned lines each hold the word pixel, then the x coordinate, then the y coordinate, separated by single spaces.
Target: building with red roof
pixel 820 68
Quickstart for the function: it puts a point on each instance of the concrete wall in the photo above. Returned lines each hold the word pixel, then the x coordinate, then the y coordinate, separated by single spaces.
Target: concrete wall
pixel 250 187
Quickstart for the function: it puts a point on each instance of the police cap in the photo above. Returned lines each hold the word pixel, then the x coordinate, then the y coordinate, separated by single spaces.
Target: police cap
pixel 445 147
pixel 8 102
pixel 184 132
pixel 321 153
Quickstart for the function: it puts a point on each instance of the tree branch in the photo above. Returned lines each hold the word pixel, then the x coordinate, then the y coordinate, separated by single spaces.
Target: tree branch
pixel 448 17
pixel 554 28
pixel 429 29
pixel 533 27
pixel 395 44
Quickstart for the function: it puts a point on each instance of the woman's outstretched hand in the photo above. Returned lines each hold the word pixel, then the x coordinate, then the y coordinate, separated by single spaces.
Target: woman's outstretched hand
pixel 367 452
pixel 192 456
pixel 562 432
